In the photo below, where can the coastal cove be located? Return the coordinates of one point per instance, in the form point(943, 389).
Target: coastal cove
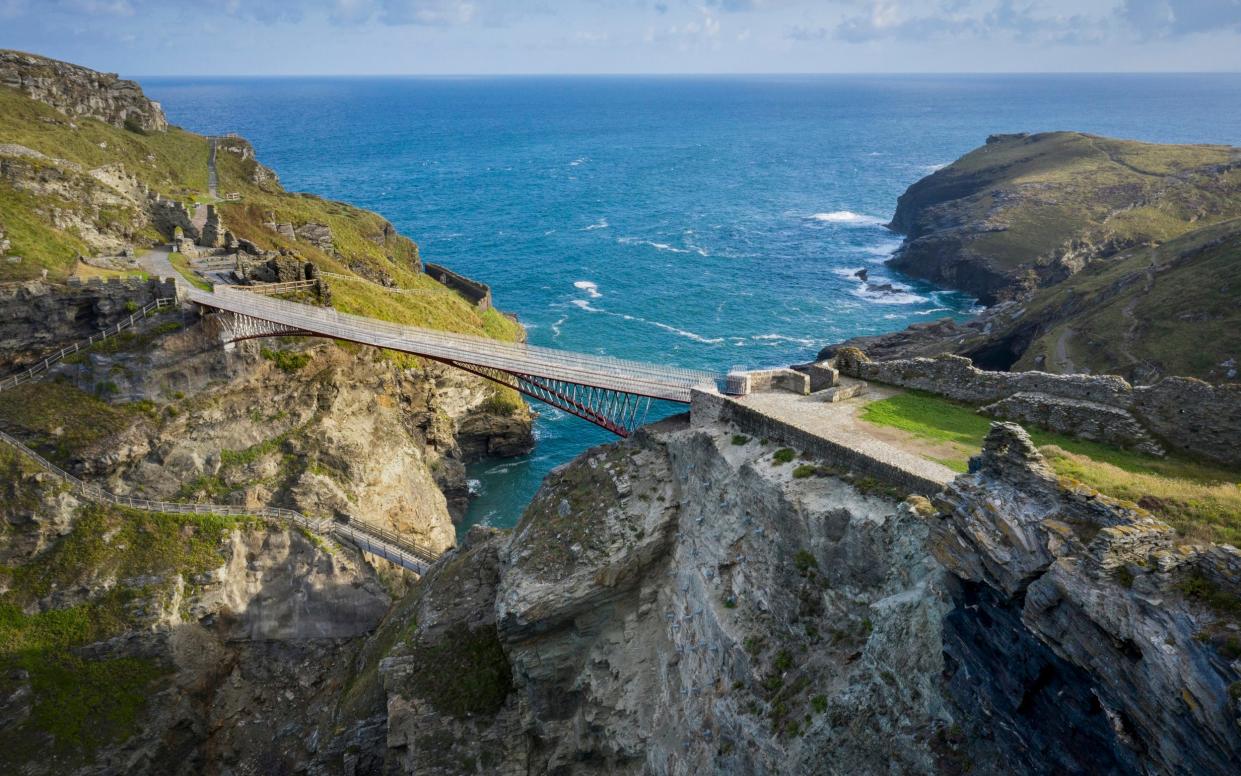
point(704, 222)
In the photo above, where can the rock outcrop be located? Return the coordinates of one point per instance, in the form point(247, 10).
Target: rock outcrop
point(80, 91)
point(1085, 639)
point(675, 604)
point(681, 603)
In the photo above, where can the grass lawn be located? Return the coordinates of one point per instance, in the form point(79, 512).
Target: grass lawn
point(1200, 500)
point(182, 265)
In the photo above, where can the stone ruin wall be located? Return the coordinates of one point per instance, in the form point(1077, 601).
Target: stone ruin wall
point(1180, 413)
point(477, 293)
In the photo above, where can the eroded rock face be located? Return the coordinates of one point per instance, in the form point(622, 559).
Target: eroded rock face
point(1084, 652)
point(79, 91)
point(677, 603)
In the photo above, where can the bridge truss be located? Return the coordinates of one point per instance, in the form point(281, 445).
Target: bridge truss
point(611, 393)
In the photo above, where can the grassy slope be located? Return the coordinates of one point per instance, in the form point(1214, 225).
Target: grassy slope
point(1177, 307)
point(361, 248)
point(175, 164)
point(1069, 185)
point(1200, 500)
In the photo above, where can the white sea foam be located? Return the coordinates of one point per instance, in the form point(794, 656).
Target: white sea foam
point(846, 217)
point(887, 297)
point(590, 287)
point(474, 487)
point(582, 304)
point(778, 338)
point(930, 168)
point(579, 161)
point(602, 223)
point(659, 246)
point(935, 310)
point(556, 326)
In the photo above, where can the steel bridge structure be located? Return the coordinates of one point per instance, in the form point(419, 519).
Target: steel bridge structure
point(612, 393)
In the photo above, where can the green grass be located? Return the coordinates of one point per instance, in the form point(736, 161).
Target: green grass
point(182, 265)
point(60, 420)
point(288, 361)
point(83, 702)
point(1200, 500)
point(783, 455)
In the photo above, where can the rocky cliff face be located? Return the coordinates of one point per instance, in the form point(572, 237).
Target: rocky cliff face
point(679, 603)
point(142, 643)
point(79, 91)
point(671, 604)
point(1085, 639)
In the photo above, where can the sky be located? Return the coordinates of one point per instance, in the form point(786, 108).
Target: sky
point(439, 37)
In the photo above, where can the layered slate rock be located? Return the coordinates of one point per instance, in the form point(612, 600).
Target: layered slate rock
point(80, 91)
point(1085, 638)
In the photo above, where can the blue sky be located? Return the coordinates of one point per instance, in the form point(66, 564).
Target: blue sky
point(156, 37)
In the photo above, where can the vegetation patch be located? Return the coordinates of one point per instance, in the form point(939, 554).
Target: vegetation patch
point(288, 361)
point(464, 673)
point(1200, 500)
point(782, 456)
point(59, 420)
point(80, 703)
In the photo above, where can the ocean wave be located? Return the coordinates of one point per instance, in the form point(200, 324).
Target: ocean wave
point(590, 287)
point(847, 217)
point(582, 304)
point(602, 223)
point(579, 161)
point(556, 326)
point(474, 487)
point(935, 310)
point(775, 338)
point(900, 296)
point(661, 246)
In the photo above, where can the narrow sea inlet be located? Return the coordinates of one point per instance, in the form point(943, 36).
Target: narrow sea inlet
point(701, 222)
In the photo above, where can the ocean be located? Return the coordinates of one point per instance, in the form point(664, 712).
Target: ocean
point(696, 221)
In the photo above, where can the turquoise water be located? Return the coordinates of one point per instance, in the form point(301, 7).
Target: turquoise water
point(702, 222)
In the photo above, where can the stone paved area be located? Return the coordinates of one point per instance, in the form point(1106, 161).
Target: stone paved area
point(839, 422)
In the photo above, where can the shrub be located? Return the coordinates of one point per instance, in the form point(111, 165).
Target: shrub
point(740, 439)
point(804, 561)
point(804, 471)
point(783, 455)
point(286, 360)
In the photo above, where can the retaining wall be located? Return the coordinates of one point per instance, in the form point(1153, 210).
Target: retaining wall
point(478, 293)
point(708, 407)
point(1184, 413)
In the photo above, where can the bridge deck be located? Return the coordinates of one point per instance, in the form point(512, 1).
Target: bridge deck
point(633, 377)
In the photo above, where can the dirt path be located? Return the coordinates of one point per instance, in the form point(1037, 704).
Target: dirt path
point(1061, 362)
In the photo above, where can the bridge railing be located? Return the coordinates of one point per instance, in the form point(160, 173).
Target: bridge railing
point(47, 363)
point(517, 358)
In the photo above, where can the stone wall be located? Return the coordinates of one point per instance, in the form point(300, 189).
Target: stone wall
point(742, 383)
point(79, 91)
point(478, 293)
point(36, 317)
point(168, 214)
point(707, 407)
point(1183, 414)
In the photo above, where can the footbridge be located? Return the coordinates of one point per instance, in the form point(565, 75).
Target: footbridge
point(609, 392)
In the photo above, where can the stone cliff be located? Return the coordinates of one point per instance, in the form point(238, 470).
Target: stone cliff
point(684, 603)
point(80, 91)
